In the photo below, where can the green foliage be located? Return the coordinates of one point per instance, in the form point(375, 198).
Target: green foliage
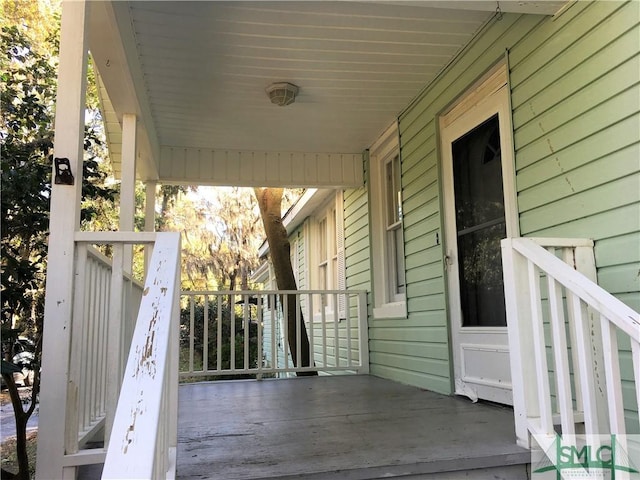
point(226, 329)
point(26, 132)
point(221, 234)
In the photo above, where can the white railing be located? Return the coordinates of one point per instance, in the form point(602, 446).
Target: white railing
point(143, 439)
point(89, 364)
point(235, 333)
point(105, 307)
point(567, 382)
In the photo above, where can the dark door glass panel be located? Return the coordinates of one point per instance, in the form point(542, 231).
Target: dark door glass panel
point(480, 224)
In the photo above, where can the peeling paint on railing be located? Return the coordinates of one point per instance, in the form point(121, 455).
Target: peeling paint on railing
point(139, 446)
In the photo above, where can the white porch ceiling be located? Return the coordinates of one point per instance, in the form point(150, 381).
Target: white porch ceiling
point(196, 72)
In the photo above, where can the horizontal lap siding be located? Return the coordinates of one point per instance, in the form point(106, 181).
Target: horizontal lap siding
point(576, 119)
point(357, 245)
point(416, 350)
point(575, 112)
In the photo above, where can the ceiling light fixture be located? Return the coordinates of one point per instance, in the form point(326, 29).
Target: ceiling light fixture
point(282, 93)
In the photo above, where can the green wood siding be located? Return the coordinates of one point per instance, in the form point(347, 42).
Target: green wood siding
point(576, 102)
point(576, 114)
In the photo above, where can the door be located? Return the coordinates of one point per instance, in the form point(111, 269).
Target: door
point(479, 202)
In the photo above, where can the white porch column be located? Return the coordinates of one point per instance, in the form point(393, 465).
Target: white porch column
point(149, 218)
point(128, 184)
point(64, 221)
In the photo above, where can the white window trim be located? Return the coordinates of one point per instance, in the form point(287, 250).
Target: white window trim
point(333, 231)
point(380, 152)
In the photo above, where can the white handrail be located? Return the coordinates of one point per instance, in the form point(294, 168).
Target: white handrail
point(623, 316)
point(338, 340)
point(144, 435)
point(594, 319)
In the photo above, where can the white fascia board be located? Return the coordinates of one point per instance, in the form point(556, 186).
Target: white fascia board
point(107, 45)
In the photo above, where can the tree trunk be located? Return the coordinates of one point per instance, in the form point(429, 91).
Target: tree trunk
point(270, 202)
point(21, 417)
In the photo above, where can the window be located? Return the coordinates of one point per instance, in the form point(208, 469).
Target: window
point(394, 242)
point(328, 255)
point(387, 240)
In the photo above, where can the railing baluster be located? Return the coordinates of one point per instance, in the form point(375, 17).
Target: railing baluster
point(298, 333)
point(285, 329)
point(192, 323)
point(336, 329)
point(259, 319)
point(363, 333)
point(312, 344)
point(114, 339)
point(347, 322)
point(273, 319)
point(92, 354)
point(560, 352)
point(635, 355)
point(544, 397)
point(74, 413)
point(219, 336)
point(613, 379)
point(104, 319)
point(232, 334)
point(323, 319)
point(585, 365)
point(246, 319)
point(205, 335)
point(568, 257)
point(336, 342)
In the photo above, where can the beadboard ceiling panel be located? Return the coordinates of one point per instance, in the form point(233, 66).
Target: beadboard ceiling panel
point(199, 69)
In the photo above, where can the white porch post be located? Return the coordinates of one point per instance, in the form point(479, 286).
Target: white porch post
point(64, 221)
point(128, 184)
point(149, 218)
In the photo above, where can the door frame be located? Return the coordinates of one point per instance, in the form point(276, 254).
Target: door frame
point(487, 97)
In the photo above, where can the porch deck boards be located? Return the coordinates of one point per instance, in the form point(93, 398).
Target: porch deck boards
point(352, 427)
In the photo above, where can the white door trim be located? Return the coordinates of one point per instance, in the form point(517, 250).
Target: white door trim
point(487, 98)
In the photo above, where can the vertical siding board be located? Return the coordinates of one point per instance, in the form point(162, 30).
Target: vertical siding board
point(272, 167)
point(192, 167)
point(259, 168)
point(206, 164)
point(177, 162)
point(219, 162)
point(286, 167)
point(233, 165)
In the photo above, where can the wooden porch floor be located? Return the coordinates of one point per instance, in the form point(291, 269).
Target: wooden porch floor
point(348, 427)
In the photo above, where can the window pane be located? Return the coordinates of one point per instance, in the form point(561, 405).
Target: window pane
point(399, 251)
point(392, 190)
point(322, 240)
point(478, 176)
point(481, 283)
point(480, 224)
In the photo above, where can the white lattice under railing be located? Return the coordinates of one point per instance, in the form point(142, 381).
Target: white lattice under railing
point(564, 333)
point(234, 333)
